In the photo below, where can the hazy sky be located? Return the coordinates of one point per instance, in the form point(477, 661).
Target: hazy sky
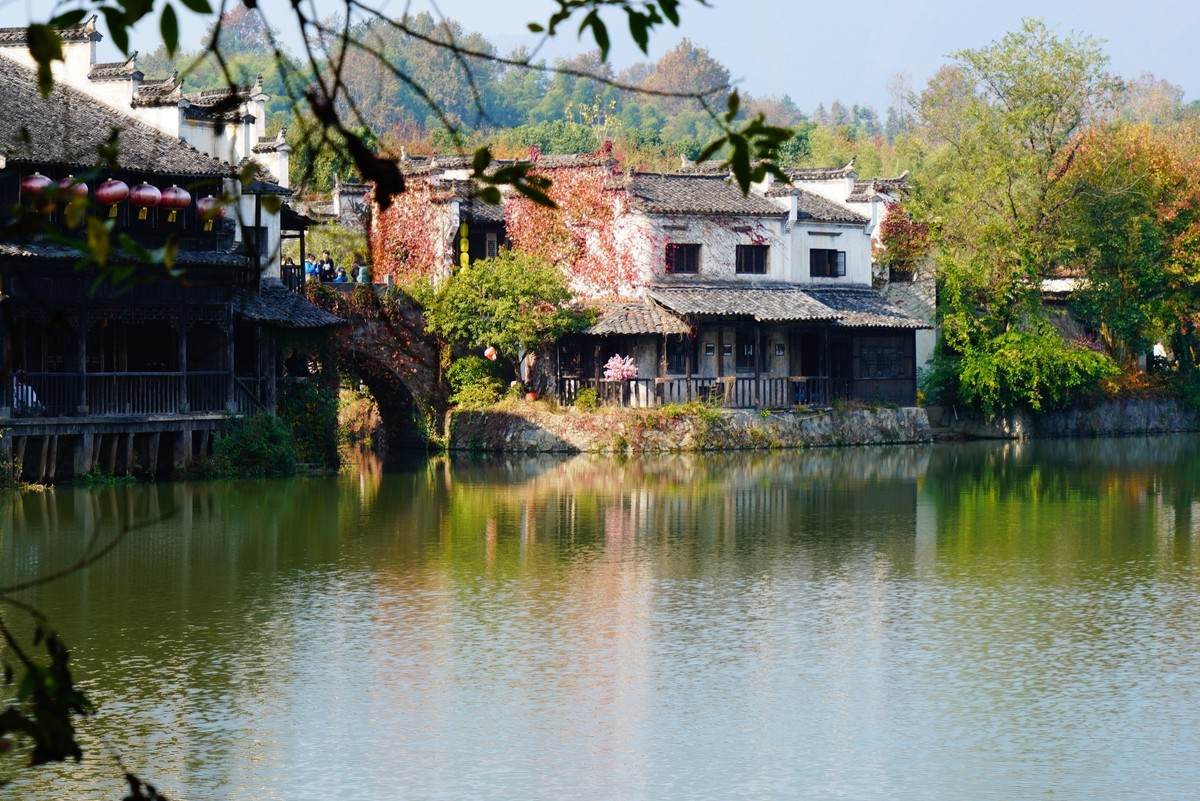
point(817, 52)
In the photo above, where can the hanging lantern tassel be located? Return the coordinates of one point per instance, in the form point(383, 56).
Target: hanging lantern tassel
point(111, 193)
point(210, 210)
point(145, 197)
point(175, 199)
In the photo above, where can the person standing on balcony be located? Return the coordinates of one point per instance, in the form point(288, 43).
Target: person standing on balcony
point(25, 400)
point(325, 268)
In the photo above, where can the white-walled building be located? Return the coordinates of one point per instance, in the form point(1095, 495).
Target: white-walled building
point(227, 124)
point(762, 300)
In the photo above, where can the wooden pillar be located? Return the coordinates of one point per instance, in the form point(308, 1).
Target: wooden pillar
point(19, 451)
point(184, 403)
point(82, 457)
point(110, 459)
point(183, 449)
point(720, 351)
point(272, 398)
point(229, 378)
point(202, 451)
point(6, 365)
point(128, 467)
point(42, 456)
point(152, 446)
point(82, 407)
point(52, 465)
point(758, 359)
point(687, 365)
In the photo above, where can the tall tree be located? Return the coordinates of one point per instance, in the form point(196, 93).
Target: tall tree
point(1002, 124)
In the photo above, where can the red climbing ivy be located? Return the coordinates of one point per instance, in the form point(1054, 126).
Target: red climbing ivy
point(404, 236)
point(583, 236)
point(904, 240)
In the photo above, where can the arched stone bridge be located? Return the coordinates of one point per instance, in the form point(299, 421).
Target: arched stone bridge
point(385, 346)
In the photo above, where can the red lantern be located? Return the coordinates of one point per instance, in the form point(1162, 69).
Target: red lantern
point(145, 197)
point(175, 200)
point(110, 193)
point(209, 209)
point(77, 190)
point(32, 189)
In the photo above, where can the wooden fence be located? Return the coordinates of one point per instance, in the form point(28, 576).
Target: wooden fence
point(734, 392)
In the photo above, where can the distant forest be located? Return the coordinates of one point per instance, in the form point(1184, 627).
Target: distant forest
point(515, 108)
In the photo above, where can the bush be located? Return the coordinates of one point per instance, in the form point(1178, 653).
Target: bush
point(484, 393)
point(310, 412)
point(474, 381)
point(254, 447)
point(587, 399)
point(1036, 370)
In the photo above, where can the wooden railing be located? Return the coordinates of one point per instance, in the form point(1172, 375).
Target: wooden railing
point(734, 392)
point(117, 393)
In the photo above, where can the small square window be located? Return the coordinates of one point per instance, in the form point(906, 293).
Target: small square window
point(752, 259)
point(683, 258)
point(826, 262)
point(710, 349)
point(492, 246)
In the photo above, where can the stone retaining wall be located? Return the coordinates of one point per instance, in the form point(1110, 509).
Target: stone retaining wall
point(1115, 419)
point(532, 428)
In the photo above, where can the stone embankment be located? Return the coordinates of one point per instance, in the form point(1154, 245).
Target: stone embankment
point(535, 428)
point(1113, 419)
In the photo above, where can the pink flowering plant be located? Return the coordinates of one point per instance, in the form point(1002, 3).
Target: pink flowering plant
point(620, 368)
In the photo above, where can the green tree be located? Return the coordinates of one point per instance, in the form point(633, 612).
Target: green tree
point(1002, 127)
point(514, 303)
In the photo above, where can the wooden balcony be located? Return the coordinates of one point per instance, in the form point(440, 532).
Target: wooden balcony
point(132, 394)
point(738, 392)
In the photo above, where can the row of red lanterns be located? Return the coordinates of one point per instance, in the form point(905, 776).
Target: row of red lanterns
point(112, 192)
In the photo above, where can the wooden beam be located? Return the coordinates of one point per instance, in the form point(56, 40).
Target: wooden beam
point(52, 467)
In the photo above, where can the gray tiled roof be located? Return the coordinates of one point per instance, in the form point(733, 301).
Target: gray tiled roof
point(765, 302)
point(115, 69)
point(59, 252)
point(810, 206)
point(865, 190)
point(275, 304)
point(820, 173)
point(815, 207)
point(69, 126)
point(861, 307)
point(634, 317)
point(78, 33)
point(163, 92)
point(479, 211)
point(423, 165)
point(710, 195)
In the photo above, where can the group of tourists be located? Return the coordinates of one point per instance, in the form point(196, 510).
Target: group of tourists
point(325, 271)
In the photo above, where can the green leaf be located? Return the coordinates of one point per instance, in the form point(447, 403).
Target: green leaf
point(670, 10)
point(272, 203)
point(535, 28)
point(639, 29)
point(599, 31)
point(198, 6)
point(483, 157)
point(118, 29)
point(67, 19)
point(99, 245)
point(169, 24)
point(490, 194)
point(733, 104)
point(45, 46)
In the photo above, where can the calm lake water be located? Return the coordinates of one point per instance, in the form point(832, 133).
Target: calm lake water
point(969, 621)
